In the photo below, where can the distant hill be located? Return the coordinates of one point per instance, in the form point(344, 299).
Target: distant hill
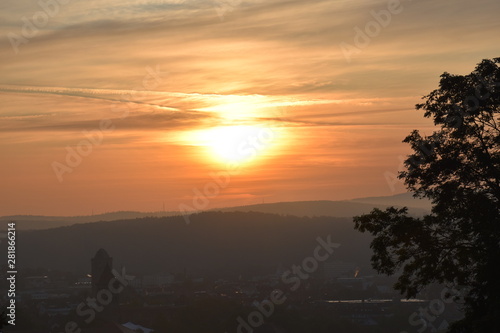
point(318, 208)
point(36, 222)
point(214, 243)
point(400, 200)
point(347, 208)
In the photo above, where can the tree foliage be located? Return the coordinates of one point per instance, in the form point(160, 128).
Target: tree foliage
point(458, 168)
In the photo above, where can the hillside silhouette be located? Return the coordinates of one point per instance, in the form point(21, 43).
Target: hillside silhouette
point(322, 208)
point(345, 208)
point(214, 243)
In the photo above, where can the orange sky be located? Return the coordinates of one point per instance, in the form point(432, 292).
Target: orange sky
point(154, 97)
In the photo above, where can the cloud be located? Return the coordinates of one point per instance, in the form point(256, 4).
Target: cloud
point(264, 62)
point(145, 122)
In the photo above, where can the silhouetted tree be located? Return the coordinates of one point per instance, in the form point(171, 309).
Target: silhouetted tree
point(458, 168)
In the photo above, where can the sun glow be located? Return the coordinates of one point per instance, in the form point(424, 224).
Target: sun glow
point(237, 144)
point(234, 107)
point(246, 130)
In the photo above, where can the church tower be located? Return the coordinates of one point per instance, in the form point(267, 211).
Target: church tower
point(102, 265)
point(102, 274)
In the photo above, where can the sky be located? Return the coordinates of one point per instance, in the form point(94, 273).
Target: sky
point(148, 105)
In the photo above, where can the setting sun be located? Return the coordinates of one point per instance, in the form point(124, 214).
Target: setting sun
point(237, 144)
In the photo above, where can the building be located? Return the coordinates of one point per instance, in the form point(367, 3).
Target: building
point(102, 274)
point(101, 267)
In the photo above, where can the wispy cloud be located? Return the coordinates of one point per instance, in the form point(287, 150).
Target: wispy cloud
point(267, 62)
